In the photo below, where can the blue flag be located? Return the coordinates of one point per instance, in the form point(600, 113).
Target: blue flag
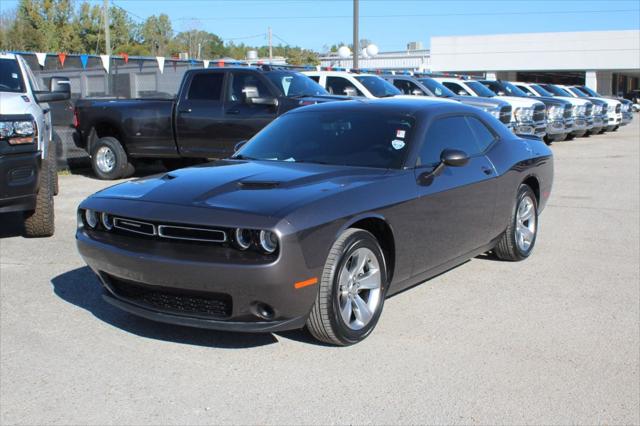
point(84, 58)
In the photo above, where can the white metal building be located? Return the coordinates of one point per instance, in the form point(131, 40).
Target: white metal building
point(398, 60)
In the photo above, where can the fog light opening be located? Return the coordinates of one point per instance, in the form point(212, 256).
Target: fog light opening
point(263, 311)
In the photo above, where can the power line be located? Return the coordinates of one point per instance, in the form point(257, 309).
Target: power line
point(415, 15)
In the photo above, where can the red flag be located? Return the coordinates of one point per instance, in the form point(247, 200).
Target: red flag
point(221, 63)
point(62, 57)
point(125, 56)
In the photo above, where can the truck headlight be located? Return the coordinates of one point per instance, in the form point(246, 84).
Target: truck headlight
point(579, 110)
point(524, 114)
point(611, 108)
point(18, 132)
point(555, 113)
point(495, 111)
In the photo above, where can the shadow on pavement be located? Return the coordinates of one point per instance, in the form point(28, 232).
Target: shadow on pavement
point(81, 287)
point(11, 225)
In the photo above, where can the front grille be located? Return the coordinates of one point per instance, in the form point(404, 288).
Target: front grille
point(568, 111)
point(505, 114)
point(170, 231)
point(539, 113)
point(170, 300)
point(618, 108)
point(588, 109)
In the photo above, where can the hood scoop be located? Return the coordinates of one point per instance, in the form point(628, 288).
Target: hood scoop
point(258, 184)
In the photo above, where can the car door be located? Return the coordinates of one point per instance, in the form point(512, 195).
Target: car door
point(199, 116)
point(455, 208)
point(242, 118)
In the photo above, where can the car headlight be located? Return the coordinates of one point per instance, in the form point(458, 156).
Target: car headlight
point(91, 218)
point(611, 108)
point(18, 132)
point(579, 110)
point(555, 113)
point(242, 238)
point(268, 241)
point(524, 114)
point(107, 221)
point(495, 111)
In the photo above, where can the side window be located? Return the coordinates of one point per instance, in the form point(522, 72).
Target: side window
point(447, 132)
point(342, 86)
point(206, 87)
point(525, 89)
point(414, 89)
point(493, 86)
point(244, 85)
point(408, 87)
point(484, 136)
point(456, 88)
point(314, 78)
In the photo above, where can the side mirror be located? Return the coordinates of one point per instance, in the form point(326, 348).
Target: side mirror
point(501, 93)
point(417, 92)
point(463, 93)
point(59, 90)
point(263, 101)
point(454, 157)
point(239, 145)
point(350, 91)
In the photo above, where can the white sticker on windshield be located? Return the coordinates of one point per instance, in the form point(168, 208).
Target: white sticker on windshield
point(14, 75)
point(400, 133)
point(397, 144)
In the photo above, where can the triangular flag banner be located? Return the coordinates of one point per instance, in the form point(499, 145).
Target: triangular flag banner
point(192, 62)
point(41, 58)
point(125, 57)
point(62, 57)
point(205, 63)
point(105, 62)
point(318, 67)
point(221, 63)
point(160, 60)
point(83, 60)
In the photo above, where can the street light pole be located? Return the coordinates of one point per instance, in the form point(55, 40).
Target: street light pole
point(356, 41)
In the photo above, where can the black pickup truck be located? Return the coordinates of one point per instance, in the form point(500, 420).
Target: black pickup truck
point(214, 109)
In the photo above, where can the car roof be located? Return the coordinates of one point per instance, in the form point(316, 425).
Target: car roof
point(411, 105)
point(338, 73)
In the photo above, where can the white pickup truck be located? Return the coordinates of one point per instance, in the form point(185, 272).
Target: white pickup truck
point(528, 116)
point(27, 154)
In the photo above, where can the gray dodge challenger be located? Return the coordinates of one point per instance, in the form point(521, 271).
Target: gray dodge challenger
point(319, 217)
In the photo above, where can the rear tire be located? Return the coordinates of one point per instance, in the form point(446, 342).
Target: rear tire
point(518, 240)
point(53, 167)
point(41, 221)
point(353, 286)
point(109, 159)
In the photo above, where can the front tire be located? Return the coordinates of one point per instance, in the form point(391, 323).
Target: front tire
point(352, 289)
point(41, 221)
point(109, 159)
point(518, 240)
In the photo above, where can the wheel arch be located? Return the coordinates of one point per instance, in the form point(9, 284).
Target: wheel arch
point(103, 129)
point(380, 228)
point(534, 183)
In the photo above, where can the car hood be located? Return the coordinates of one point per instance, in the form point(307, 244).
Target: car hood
point(574, 101)
point(520, 102)
point(480, 102)
point(266, 188)
point(14, 103)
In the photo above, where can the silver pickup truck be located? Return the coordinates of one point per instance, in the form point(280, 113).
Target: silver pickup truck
point(27, 154)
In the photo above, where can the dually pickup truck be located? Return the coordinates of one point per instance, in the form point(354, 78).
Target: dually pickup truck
point(214, 110)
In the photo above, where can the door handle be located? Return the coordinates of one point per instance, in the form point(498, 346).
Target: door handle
point(185, 111)
point(233, 111)
point(487, 170)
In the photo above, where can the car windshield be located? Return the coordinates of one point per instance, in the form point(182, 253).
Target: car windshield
point(590, 91)
point(541, 90)
point(380, 88)
point(480, 89)
point(579, 93)
point(437, 88)
point(346, 138)
point(512, 90)
point(10, 76)
point(557, 91)
point(294, 84)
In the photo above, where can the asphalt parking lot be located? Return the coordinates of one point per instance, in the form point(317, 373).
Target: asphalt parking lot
point(552, 340)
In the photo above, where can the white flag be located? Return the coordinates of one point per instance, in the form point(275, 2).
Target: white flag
point(41, 58)
point(205, 63)
point(160, 60)
point(105, 62)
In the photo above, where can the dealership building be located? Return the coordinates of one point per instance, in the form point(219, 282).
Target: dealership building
point(608, 61)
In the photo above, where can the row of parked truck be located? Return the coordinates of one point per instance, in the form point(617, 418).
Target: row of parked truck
point(216, 109)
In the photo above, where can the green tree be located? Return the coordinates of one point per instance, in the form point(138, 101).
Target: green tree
point(156, 34)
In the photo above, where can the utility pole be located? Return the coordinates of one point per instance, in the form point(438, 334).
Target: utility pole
point(356, 40)
point(107, 32)
point(270, 46)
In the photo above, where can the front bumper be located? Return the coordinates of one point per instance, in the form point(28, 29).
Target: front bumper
point(178, 279)
point(19, 173)
point(557, 127)
point(580, 125)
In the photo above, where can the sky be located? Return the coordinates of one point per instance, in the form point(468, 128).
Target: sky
point(391, 24)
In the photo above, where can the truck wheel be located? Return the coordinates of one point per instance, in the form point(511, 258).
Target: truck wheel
point(109, 160)
point(41, 221)
point(53, 168)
